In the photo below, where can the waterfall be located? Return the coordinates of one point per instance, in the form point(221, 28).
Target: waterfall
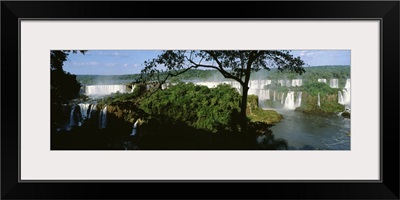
point(274, 95)
point(134, 129)
point(72, 118)
point(281, 82)
point(289, 101)
point(334, 83)
point(282, 100)
point(99, 90)
point(322, 80)
point(86, 112)
point(133, 88)
point(346, 93)
point(340, 98)
point(93, 107)
point(85, 109)
point(298, 100)
point(259, 84)
point(263, 95)
point(297, 82)
point(103, 118)
point(319, 101)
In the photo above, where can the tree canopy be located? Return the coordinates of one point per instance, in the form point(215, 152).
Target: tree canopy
point(234, 64)
point(64, 85)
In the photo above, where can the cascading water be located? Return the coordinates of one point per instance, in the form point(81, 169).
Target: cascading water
point(92, 108)
point(346, 94)
point(319, 101)
point(322, 80)
point(85, 109)
point(334, 83)
point(259, 84)
point(87, 112)
point(289, 101)
point(297, 82)
point(281, 82)
point(103, 118)
point(74, 118)
point(282, 99)
point(100, 90)
point(340, 98)
point(298, 100)
point(274, 95)
point(262, 96)
point(134, 129)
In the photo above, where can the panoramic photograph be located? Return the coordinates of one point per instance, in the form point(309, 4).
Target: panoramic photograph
point(200, 99)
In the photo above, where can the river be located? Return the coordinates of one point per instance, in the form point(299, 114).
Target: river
point(311, 131)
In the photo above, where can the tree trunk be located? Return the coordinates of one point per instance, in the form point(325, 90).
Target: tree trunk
point(243, 108)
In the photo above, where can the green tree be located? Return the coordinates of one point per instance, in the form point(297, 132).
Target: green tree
point(237, 65)
point(64, 85)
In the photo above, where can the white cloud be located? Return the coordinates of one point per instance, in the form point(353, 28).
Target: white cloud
point(91, 63)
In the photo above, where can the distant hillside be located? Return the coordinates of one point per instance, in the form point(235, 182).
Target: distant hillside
point(312, 73)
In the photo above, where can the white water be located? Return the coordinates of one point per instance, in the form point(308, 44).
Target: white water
point(340, 98)
point(103, 118)
point(72, 118)
point(346, 94)
point(84, 112)
point(281, 82)
point(134, 129)
point(274, 95)
point(319, 101)
point(85, 108)
point(297, 82)
point(100, 90)
point(334, 83)
point(282, 99)
point(259, 84)
point(298, 100)
point(289, 101)
point(322, 80)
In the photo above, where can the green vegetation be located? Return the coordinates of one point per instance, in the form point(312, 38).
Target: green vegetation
point(256, 114)
point(265, 116)
point(328, 99)
point(197, 106)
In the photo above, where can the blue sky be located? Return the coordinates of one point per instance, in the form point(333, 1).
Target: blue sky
point(116, 62)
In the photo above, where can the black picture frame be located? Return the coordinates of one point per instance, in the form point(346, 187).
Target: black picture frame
point(386, 11)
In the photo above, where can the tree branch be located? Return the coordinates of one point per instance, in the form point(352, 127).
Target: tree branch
point(221, 70)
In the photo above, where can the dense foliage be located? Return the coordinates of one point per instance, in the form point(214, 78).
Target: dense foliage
point(64, 85)
point(328, 99)
point(197, 106)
